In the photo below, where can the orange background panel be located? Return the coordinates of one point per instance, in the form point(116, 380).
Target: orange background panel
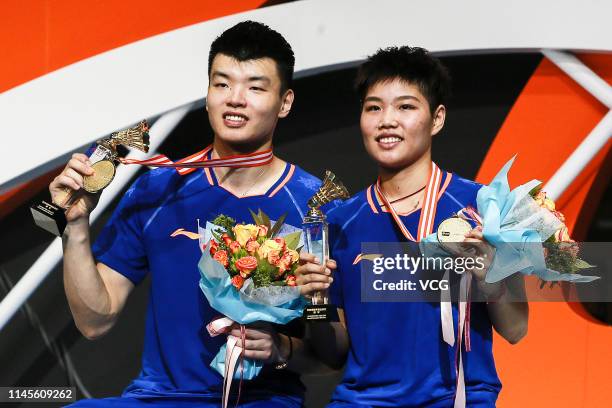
point(565, 359)
point(40, 36)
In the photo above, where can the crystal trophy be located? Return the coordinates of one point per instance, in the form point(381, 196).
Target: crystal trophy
point(316, 242)
point(104, 160)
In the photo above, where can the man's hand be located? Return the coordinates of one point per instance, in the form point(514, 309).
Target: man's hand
point(262, 343)
point(312, 276)
point(71, 178)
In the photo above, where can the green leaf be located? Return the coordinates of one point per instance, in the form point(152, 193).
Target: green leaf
point(277, 226)
point(231, 267)
point(582, 264)
point(265, 220)
point(292, 240)
point(534, 191)
point(255, 217)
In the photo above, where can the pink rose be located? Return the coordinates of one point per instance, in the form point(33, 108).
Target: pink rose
point(263, 230)
point(252, 246)
point(281, 242)
point(273, 257)
point(284, 263)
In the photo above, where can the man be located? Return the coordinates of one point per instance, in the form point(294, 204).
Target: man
point(250, 71)
point(397, 357)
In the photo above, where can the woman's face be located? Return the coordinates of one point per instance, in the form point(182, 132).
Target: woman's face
point(396, 123)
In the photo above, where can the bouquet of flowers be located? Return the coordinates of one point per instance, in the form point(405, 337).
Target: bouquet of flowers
point(247, 275)
point(251, 251)
point(560, 250)
point(528, 233)
point(529, 236)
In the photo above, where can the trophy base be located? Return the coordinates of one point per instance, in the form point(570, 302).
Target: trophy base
point(321, 313)
point(49, 217)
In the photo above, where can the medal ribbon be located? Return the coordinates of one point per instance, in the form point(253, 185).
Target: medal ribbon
point(198, 160)
point(426, 223)
point(428, 211)
point(465, 285)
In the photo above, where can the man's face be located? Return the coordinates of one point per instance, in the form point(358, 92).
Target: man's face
point(244, 101)
point(396, 123)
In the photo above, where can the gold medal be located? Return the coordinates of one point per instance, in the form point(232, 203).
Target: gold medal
point(104, 172)
point(453, 230)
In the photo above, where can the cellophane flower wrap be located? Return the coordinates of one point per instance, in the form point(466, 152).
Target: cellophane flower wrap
point(528, 233)
point(247, 274)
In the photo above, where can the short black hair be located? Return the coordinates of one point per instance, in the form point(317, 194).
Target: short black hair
point(250, 40)
point(411, 64)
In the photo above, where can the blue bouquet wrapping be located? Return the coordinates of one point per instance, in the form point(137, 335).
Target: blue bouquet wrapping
point(516, 226)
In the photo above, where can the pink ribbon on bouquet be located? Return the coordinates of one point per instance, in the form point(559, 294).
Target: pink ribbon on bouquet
point(234, 353)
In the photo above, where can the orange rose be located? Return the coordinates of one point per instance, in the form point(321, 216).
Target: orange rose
point(226, 238)
point(252, 246)
point(213, 247)
point(238, 281)
point(221, 257)
point(246, 265)
point(234, 246)
point(263, 230)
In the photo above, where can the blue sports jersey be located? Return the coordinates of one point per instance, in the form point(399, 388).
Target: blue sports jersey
point(397, 356)
point(136, 242)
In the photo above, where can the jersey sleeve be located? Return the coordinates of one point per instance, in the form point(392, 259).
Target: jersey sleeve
point(120, 245)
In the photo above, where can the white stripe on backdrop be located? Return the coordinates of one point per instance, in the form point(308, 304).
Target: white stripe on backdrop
point(91, 98)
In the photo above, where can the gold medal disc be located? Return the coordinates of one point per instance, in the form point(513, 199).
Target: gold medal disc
point(453, 230)
point(104, 172)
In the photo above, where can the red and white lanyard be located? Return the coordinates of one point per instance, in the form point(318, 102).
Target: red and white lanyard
point(426, 224)
point(198, 160)
point(428, 211)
